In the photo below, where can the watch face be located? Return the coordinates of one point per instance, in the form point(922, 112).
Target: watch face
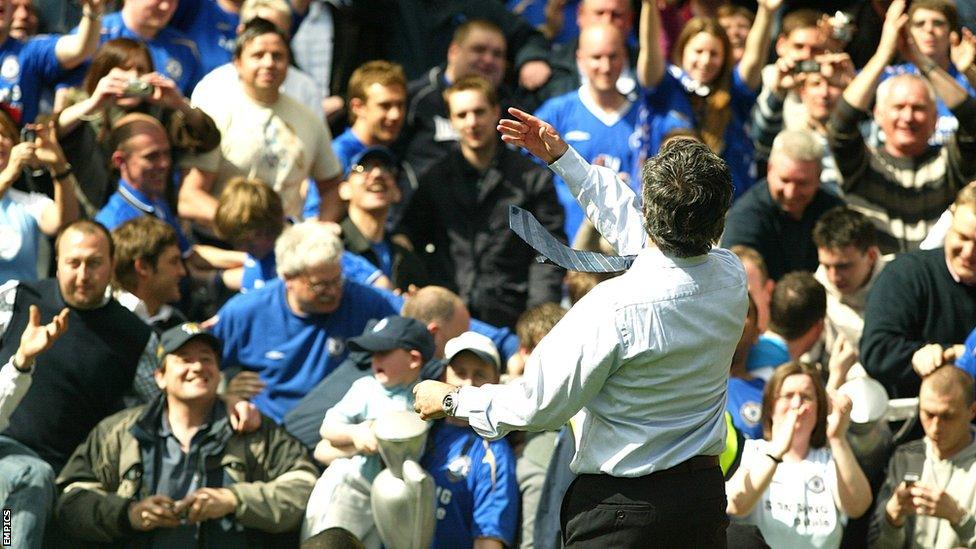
point(449, 403)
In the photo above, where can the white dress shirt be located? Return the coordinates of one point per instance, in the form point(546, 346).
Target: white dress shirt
point(646, 354)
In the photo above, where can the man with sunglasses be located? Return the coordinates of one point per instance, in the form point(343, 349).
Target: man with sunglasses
point(292, 331)
point(371, 190)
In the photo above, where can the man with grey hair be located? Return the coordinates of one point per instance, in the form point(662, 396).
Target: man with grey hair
point(905, 185)
point(776, 217)
point(292, 331)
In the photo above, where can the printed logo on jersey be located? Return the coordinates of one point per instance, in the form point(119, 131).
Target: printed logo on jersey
point(443, 131)
point(577, 135)
point(750, 412)
point(458, 468)
point(335, 346)
point(815, 484)
point(174, 69)
point(10, 68)
point(10, 242)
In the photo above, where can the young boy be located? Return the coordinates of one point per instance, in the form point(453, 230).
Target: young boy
point(400, 347)
point(477, 494)
point(250, 217)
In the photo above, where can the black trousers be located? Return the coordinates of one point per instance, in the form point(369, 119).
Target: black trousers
point(681, 509)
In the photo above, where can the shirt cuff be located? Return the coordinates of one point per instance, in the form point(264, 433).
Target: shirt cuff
point(570, 166)
point(10, 373)
point(473, 406)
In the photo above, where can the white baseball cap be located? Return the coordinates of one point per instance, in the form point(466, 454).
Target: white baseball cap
point(475, 343)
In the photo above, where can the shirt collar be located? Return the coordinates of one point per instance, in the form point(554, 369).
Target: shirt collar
point(133, 303)
point(653, 255)
point(136, 198)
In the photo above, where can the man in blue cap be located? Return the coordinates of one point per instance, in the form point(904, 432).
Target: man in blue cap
point(371, 190)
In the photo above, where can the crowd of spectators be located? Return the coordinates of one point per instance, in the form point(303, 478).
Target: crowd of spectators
point(207, 300)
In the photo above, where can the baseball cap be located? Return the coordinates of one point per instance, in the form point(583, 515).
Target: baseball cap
point(177, 336)
point(395, 332)
point(476, 343)
point(376, 152)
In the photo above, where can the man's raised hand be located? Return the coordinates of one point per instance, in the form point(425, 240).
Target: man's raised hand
point(532, 134)
point(38, 337)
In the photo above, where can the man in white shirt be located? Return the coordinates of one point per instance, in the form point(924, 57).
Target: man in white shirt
point(265, 135)
point(645, 354)
point(148, 271)
point(297, 84)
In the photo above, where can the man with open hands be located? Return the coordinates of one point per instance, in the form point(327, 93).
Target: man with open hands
point(654, 398)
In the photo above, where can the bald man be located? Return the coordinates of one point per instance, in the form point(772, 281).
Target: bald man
point(142, 156)
point(566, 76)
point(596, 119)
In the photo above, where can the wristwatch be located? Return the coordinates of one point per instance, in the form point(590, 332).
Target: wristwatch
point(450, 402)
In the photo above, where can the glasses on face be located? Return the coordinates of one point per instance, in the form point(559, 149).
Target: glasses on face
point(385, 169)
point(322, 286)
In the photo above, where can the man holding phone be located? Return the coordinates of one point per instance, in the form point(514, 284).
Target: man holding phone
point(929, 495)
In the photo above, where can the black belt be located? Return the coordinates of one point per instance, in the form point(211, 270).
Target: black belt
point(696, 463)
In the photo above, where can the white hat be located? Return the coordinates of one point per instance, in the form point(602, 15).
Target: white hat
point(475, 343)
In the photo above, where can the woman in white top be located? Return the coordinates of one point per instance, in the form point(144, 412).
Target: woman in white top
point(801, 483)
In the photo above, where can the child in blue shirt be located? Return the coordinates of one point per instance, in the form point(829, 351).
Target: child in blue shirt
point(250, 217)
point(400, 347)
point(477, 492)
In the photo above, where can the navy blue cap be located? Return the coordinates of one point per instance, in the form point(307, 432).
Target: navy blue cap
point(395, 332)
point(178, 336)
point(376, 152)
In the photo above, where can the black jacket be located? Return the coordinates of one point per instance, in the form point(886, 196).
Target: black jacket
point(407, 267)
point(458, 223)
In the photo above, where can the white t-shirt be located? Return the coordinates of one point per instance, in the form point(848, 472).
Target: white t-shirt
point(283, 144)
point(297, 84)
point(798, 509)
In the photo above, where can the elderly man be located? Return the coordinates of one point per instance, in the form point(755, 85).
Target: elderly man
point(932, 24)
point(654, 396)
point(905, 185)
point(776, 218)
point(292, 331)
point(927, 498)
point(197, 479)
point(921, 305)
point(265, 135)
point(597, 120)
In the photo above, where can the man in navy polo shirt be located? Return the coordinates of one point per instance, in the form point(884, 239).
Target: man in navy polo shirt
point(292, 331)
